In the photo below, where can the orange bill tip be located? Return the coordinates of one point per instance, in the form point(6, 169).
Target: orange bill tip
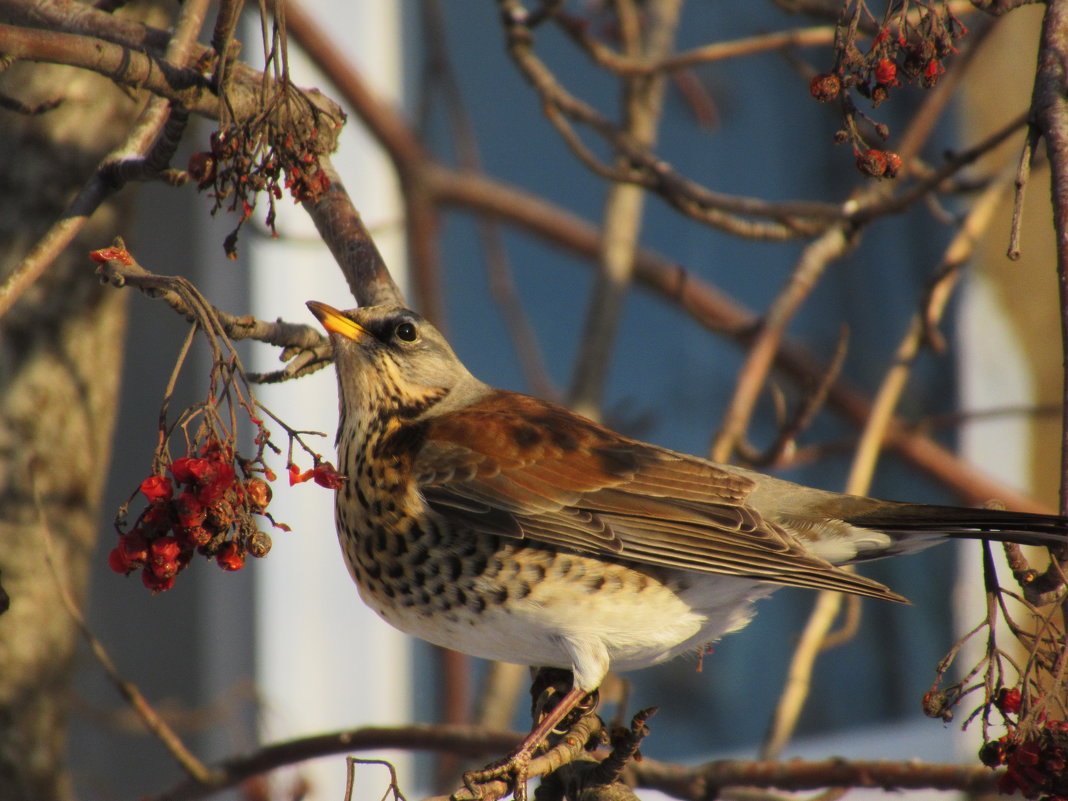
point(335, 321)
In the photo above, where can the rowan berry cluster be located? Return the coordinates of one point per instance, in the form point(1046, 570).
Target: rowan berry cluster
point(201, 507)
point(909, 47)
point(244, 161)
point(1036, 762)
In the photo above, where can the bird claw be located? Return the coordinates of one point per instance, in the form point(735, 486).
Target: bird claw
point(512, 771)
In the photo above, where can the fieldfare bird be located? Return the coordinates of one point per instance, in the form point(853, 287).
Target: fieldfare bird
point(512, 529)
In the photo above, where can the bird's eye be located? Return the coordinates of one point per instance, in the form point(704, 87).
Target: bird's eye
point(405, 331)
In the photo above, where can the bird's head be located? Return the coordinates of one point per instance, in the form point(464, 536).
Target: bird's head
point(390, 360)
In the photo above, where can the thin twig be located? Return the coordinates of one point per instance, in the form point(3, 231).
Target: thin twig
point(1023, 173)
point(643, 98)
point(137, 147)
point(815, 259)
point(196, 769)
point(947, 273)
point(799, 675)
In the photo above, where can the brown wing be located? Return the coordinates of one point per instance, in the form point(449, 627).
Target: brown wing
point(515, 466)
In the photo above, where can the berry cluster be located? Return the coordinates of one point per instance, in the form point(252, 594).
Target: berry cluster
point(1035, 760)
point(244, 161)
point(201, 507)
point(907, 47)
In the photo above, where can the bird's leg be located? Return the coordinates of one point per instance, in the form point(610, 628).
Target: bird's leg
point(514, 766)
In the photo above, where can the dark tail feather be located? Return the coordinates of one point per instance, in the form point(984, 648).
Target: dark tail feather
point(929, 521)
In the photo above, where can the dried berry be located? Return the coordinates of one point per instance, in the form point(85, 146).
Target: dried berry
point(1008, 700)
point(893, 163)
point(259, 544)
point(189, 509)
point(326, 476)
point(201, 168)
point(825, 87)
point(992, 754)
point(258, 493)
point(872, 162)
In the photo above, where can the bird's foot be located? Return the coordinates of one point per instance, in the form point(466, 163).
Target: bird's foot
point(484, 784)
point(552, 709)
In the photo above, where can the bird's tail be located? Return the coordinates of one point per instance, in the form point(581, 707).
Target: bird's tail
point(913, 526)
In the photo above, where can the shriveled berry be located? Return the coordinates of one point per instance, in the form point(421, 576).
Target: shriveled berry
point(825, 87)
point(258, 492)
point(893, 163)
point(196, 536)
point(872, 162)
point(189, 509)
point(326, 476)
point(992, 754)
point(158, 517)
point(259, 544)
point(201, 168)
point(220, 515)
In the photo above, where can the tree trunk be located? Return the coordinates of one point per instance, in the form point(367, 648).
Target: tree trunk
point(60, 362)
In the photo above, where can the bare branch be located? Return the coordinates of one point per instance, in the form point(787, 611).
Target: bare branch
point(143, 155)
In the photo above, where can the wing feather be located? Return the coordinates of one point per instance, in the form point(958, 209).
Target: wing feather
point(515, 466)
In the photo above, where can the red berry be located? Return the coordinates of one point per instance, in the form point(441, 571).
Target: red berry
point(326, 476)
point(134, 548)
point(221, 482)
point(202, 470)
point(931, 72)
point(1008, 701)
point(163, 557)
point(230, 557)
point(157, 488)
point(157, 517)
point(885, 72)
point(196, 536)
point(180, 470)
point(297, 477)
point(156, 583)
point(190, 510)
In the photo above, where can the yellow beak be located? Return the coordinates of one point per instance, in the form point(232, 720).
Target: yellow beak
point(335, 322)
